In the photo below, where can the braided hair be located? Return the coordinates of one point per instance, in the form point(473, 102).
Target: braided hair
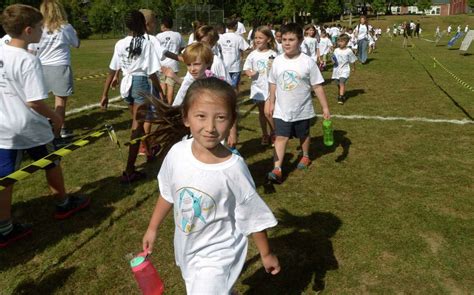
point(135, 22)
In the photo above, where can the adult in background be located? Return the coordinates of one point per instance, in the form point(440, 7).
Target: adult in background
point(362, 33)
point(54, 53)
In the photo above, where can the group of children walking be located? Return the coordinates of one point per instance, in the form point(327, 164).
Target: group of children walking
point(206, 184)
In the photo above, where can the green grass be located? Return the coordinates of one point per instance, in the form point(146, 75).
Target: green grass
point(388, 209)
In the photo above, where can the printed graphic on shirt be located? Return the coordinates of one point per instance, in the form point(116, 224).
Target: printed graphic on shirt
point(195, 210)
point(288, 80)
point(262, 66)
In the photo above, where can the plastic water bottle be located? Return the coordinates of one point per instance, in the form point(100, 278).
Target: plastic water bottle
point(328, 136)
point(146, 275)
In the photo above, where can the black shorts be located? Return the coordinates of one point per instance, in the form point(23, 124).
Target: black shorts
point(298, 129)
point(10, 159)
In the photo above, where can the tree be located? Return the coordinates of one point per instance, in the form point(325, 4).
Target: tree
point(379, 6)
point(333, 8)
point(101, 17)
point(423, 5)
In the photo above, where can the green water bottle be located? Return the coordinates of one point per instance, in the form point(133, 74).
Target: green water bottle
point(328, 137)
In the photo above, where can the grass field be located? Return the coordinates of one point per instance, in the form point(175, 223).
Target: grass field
point(388, 209)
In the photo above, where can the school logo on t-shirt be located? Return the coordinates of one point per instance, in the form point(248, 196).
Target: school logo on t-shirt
point(261, 66)
point(195, 209)
point(288, 80)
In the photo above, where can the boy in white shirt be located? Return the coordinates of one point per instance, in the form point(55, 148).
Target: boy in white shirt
point(343, 56)
point(174, 43)
point(325, 47)
point(292, 77)
point(24, 117)
point(233, 45)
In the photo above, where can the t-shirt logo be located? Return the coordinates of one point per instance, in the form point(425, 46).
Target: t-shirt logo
point(167, 38)
point(195, 209)
point(261, 66)
point(288, 80)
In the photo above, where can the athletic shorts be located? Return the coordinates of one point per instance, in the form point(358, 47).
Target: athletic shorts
point(234, 79)
point(341, 80)
point(298, 129)
point(139, 84)
point(167, 80)
point(58, 80)
point(10, 159)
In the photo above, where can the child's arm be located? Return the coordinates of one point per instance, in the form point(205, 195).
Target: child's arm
point(43, 109)
point(168, 72)
point(250, 73)
point(270, 105)
point(269, 260)
point(319, 90)
point(162, 209)
point(174, 56)
point(104, 101)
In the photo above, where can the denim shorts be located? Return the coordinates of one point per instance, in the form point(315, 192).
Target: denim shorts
point(139, 84)
point(298, 129)
point(10, 159)
point(234, 79)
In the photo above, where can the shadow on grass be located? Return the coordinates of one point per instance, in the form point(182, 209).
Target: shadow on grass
point(47, 285)
point(340, 140)
point(96, 120)
point(353, 93)
point(48, 232)
point(305, 252)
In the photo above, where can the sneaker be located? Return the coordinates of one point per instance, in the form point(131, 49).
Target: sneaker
point(265, 140)
point(19, 232)
point(75, 204)
point(66, 133)
point(60, 142)
point(142, 149)
point(275, 176)
point(304, 163)
point(153, 152)
point(132, 177)
point(340, 99)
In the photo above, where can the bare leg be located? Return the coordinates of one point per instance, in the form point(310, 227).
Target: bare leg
point(60, 107)
point(55, 179)
point(6, 203)
point(342, 89)
point(280, 148)
point(305, 145)
point(262, 119)
point(137, 131)
point(169, 93)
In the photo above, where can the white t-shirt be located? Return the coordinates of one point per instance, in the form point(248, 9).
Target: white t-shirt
point(279, 48)
point(344, 58)
point(215, 208)
point(173, 42)
point(362, 31)
point(258, 61)
point(5, 39)
point(147, 63)
point(325, 45)
point(294, 79)
point(232, 44)
point(54, 48)
point(21, 81)
point(219, 70)
point(187, 81)
point(160, 51)
point(312, 45)
point(240, 28)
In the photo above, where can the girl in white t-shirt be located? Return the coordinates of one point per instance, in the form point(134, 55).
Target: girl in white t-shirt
point(138, 60)
point(343, 56)
point(212, 194)
point(256, 67)
point(54, 53)
point(311, 42)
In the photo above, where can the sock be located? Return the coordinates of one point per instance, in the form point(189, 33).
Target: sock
point(63, 203)
point(278, 168)
point(306, 154)
point(6, 227)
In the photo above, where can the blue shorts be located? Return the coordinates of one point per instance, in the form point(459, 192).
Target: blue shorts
point(234, 79)
point(139, 84)
point(10, 159)
point(298, 129)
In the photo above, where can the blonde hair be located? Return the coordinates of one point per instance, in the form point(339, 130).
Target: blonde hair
point(269, 34)
point(198, 50)
point(54, 15)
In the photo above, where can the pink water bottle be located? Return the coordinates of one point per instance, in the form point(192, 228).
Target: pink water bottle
point(146, 275)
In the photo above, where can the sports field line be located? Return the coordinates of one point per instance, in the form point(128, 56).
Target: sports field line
point(346, 117)
point(381, 118)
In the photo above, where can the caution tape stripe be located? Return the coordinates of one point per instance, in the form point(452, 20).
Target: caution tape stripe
point(41, 163)
point(91, 77)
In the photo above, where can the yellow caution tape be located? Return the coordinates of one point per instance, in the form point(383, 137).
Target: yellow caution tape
point(91, 77)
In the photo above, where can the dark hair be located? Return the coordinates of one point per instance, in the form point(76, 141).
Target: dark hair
point(167, 22)
point(204, 31)
point(217, 87)
point(169, 121)
point(231, 24)
point(344, 37)
point(293, 28)
point(135, 22)
point(15, 18)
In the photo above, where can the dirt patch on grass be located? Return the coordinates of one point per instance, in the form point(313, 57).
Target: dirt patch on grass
point(434, 240)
